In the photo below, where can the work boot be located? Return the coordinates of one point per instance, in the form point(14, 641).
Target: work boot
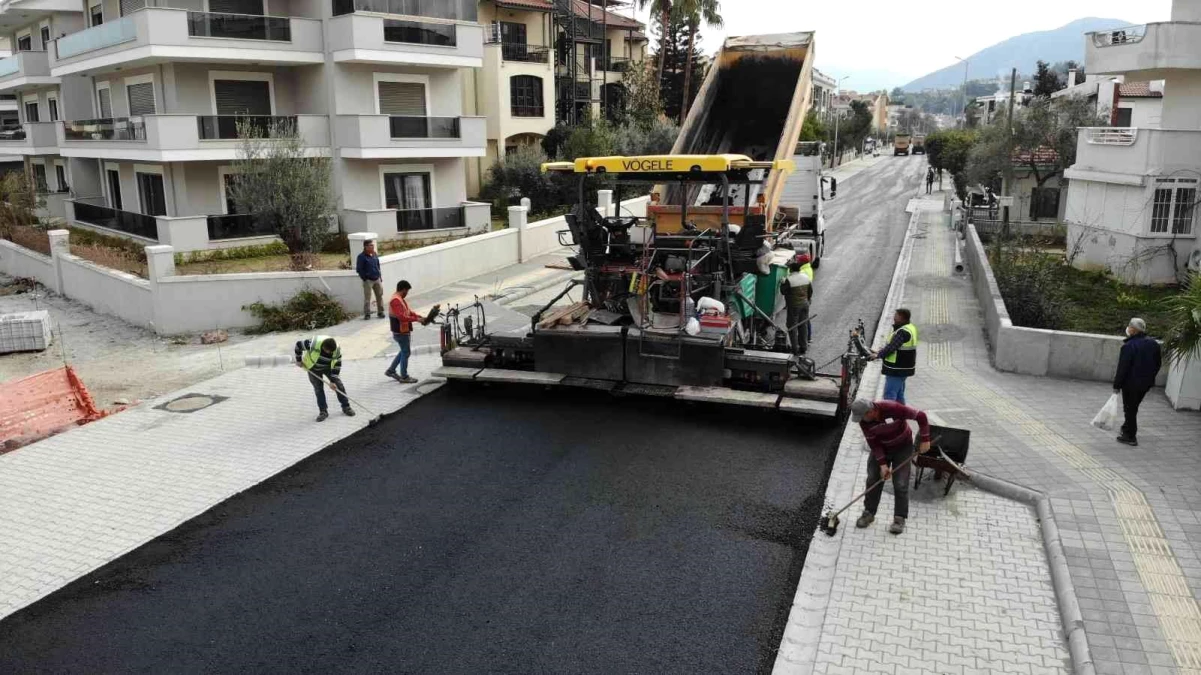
point(367, 317)
point(407, 380)
point(322, 416)
point(380, 315)
point(392, 374)
point(1128, 440)
point(898, 525)
point(865, 520)
point(348, 411)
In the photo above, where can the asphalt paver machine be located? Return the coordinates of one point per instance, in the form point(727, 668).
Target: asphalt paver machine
point(686, 306)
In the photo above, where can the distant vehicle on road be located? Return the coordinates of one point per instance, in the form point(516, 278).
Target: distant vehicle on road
point(919, 144)
point(900, 144)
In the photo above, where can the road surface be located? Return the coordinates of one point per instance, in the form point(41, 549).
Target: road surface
point(495, 530)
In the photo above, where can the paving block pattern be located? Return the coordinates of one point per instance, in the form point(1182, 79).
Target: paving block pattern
point(73, 502)
point(964, 590)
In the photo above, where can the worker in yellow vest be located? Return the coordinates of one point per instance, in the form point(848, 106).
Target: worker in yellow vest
point(320, 357)
point(899, 356)
point(807, 270)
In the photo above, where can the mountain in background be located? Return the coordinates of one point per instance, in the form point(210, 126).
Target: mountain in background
point(1062, 44)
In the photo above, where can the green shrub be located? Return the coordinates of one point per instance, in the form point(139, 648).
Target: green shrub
point(1031, 286)
point(656, 138)
point(307, 310)
point(233, 253)
point(84, 237)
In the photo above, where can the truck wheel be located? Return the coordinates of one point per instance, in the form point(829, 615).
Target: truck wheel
point(821, 250)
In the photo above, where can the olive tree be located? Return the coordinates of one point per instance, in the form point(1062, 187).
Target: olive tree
point(278, 180)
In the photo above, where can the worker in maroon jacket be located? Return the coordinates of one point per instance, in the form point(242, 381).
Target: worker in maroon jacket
point(886, 428)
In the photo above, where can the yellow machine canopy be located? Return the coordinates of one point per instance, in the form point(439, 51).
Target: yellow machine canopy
point(668, 164)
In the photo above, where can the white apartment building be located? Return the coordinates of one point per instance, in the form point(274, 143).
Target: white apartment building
point(823, 95)
point(1134, 188)
point(130, 108)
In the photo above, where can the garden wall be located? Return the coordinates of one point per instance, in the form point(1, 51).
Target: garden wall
point(105, 290)
point(18, 261)
point(1035, 351)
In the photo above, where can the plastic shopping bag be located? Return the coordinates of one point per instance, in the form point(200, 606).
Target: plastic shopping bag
point(1107, 419)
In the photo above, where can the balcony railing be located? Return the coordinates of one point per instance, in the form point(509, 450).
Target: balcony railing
point(237, 226)
point(138, 224)
point(455, 10)
point(429, 219)
point(401, 126)
point(528, 111)
point(106, 129)
point(239, 26)
point(512, 51)
point(9, 66)
point(1119, 36)
point(15, 133)
point(420, 33)
point(1111, 135)
point(225, 127)
point(97, 37)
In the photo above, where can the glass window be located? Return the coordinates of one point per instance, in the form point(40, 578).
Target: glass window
point(53, 109)
point(1160, 209)
point(96, 12)
point(1123, 117)
point(31, 111)
point(60, 174)
point(45, 37)
point(1174, 203)
point(407, 191)
point(525, 96)
point(114, 189)
point(25, 43)
point(151, 196)
point(1182, 214)
point(39, 177)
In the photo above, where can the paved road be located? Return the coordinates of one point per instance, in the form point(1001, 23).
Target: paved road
point(476, 531)
point(865, 230)
point(498, 531)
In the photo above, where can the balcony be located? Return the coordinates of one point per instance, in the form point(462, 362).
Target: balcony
point(156, 35)
point(180, 138)
point(384, 136)
point(368, 38)
point(94, 212)
point(452, 10)
point(1144, 51)
point(1127, 156)
point(25, 69)
point(31, 138)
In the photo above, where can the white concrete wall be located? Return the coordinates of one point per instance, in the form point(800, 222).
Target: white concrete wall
point(192, 92)
point(204, 302)
point(1145, 113)
point(1034, 351)
point(107, 291)
point(18, 261)
point(1109, 225)
point(355, 93)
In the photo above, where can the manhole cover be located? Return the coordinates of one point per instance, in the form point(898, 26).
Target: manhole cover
point(190, 403)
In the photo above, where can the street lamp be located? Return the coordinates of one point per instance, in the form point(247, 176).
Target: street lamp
point(966, 63)
point(837, 117)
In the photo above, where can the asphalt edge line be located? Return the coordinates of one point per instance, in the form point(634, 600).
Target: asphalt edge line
point(797, 654)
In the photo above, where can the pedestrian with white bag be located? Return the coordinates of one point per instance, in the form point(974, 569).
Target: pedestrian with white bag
point(1138, 365)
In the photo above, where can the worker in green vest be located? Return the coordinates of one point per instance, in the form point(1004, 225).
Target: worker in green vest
point(797, 289)
point(899, 356)
point(807, 270)
point(321, 357)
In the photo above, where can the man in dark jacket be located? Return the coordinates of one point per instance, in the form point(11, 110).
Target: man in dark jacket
point(321, 357)
point(885, 427)
point(367, 267)
point(1137, 367)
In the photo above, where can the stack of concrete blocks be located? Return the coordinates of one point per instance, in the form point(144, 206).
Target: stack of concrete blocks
point(24, 332)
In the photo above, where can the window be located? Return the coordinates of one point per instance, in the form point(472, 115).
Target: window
point(60, 174)
point(512, 33)
point(45, 37)
point(1122, 118)
point(31, 111)
point(53, 105)
point(407, 191)
point(25, 43)
point(242, 97)
point(39, 177)
point(114, 188)
point(401, 98)
point(141, 97)
point(104, 101)
point(96, 13)
point(525, 96)
point(1044, 203)
point(151, 196)
point(1174, 205)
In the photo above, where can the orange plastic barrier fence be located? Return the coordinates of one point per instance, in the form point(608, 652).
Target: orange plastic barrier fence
point(38, 406)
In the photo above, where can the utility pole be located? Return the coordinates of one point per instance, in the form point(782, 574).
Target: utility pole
point(1007, 188)
point(837, 117)
point(966, 63)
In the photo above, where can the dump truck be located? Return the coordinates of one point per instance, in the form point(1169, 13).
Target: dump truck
point(919, 144)
point(900, 144)
point(686, 301)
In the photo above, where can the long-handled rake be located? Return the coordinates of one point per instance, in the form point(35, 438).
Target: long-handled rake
point(376, 417)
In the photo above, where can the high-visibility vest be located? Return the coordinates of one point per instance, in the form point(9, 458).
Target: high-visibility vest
point(314, 357)
point(798, 289)
point(903, 362)
point(807, 270)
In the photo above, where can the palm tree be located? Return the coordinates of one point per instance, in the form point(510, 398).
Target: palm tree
point(663, 7)
point(694, 12)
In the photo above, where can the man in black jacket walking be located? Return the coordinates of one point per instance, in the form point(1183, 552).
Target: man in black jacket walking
point(1137, 367)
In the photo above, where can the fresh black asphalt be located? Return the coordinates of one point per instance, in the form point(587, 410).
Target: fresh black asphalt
point(495, 530)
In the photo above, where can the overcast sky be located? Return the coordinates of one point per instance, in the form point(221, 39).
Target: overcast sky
point(857, 37)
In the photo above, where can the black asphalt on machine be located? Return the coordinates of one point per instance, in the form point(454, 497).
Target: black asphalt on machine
point(684, 304)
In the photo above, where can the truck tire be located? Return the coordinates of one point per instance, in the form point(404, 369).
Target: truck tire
point(821, 250)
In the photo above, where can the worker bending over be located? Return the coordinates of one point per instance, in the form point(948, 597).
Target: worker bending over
point(321, 357)
point(885, 427)
point(797, 289)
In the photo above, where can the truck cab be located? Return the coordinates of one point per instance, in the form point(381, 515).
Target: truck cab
point(900, 144)
point(919, 144)
point(814, 188)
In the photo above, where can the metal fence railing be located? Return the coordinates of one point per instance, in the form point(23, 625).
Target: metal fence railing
point(1111, 135)
point(106, 129)
point(454, 10)
point(1119, 36)
point(225, 127)
point(429, 219)
point(403, 126)
point(512, 51)
point(420, 33)
point(239, 26)
point(123, 221)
